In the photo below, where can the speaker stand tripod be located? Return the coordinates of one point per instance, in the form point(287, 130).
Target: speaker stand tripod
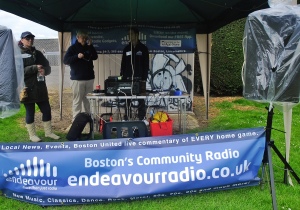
point(267, 159)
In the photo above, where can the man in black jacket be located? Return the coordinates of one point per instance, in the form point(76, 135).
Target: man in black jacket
point(80, 57)
point(135, 64)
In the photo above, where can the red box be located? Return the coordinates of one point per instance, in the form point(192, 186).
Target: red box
point(162, 128)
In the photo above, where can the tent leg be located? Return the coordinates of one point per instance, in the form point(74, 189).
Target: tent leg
point(207, 75)
point(62, 71)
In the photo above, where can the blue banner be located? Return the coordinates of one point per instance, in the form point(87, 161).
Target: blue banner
point(159, 40)
point(53, 173)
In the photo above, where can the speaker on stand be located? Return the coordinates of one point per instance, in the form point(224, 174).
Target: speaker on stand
point(271, 70)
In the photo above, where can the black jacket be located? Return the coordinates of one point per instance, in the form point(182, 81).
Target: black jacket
point(140, 61)
point(81, 69)
point(37, 91)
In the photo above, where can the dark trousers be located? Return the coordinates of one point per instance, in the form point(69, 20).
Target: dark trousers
point(45, 108)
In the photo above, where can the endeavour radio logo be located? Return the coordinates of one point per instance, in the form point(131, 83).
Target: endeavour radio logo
point(34, 174)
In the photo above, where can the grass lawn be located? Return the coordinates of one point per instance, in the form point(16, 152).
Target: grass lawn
point(239, 113)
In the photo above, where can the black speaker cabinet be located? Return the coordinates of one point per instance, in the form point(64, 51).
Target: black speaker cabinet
point(121, 87)
point(271, 71)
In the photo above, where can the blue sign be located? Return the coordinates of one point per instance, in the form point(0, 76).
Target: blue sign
point(66, 173)
point(159, 40)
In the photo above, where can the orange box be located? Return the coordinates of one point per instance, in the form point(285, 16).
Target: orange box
point(162, 128)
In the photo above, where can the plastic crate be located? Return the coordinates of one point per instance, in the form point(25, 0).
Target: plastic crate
point(162, 128)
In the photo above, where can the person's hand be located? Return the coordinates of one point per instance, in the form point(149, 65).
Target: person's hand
point(41, 70)
point(80, 55)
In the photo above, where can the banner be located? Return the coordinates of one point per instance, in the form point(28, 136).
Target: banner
point(82, 172)
point(159, 40)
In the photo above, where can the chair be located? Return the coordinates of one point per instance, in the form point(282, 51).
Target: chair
point(125, 129)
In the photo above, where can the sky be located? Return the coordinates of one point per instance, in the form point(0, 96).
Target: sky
point(19, 25)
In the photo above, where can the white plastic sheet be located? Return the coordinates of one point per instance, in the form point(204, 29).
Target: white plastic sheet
point(12, 73)
point(271, 70)
point(271, 46)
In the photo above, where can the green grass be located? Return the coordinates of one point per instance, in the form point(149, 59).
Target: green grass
point(237, 114)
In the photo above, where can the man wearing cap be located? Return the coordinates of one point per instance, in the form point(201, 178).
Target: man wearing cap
point(36, 67)
point(80, 57)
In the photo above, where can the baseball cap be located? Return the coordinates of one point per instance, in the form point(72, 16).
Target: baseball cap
point(26, 33)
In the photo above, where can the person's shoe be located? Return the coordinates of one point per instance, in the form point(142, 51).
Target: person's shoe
point(31, 131)
point(48, 131)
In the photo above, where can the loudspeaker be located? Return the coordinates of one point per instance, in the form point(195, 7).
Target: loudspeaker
point(271, 70)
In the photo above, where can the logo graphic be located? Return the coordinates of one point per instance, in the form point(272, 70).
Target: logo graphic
point(170, 43)
point(142, 38)
point(34, 175)
point(34, 169)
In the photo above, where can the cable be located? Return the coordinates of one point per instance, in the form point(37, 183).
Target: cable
point(131, 61)
point(132, 69)
point(130, 12)
point(136, 10)
point(126, 105)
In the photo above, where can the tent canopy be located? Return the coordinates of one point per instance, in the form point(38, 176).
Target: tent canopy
point(205, 15)
point(62, 15)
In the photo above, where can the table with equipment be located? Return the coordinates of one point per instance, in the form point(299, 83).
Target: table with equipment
point(116, 106)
